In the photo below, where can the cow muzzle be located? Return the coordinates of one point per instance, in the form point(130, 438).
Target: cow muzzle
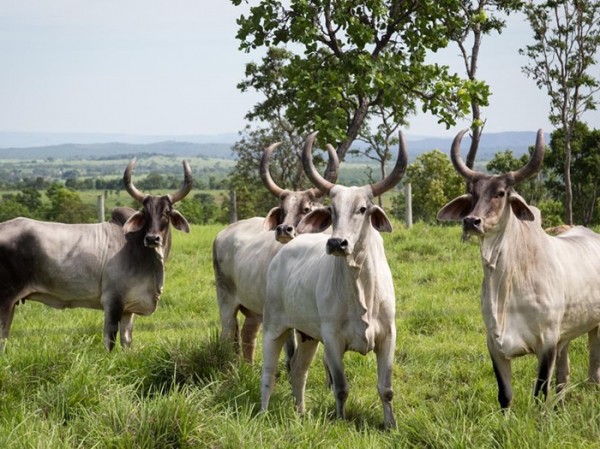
point(285, 233)
point(152, 241)
point(473, 225)
point(338, 247)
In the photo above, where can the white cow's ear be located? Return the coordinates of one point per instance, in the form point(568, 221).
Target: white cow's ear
point(134, 223)
point(457, 209)
point(379, 219)
point(271, 220)
point(520, 208)
point(179, 222)
point(315, 221)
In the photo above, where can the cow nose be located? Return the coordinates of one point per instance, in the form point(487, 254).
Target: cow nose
point(472, 223)
point(337, 246)
point(152, 240)
point(285, 233)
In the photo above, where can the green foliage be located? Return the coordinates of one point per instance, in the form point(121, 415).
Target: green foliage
point(353, 59)
point(285, 166)
point(585, 170)
point(66, 206)
point(434, 182)
point(201, 209)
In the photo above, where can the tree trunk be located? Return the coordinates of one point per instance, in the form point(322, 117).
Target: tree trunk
point(352, 132)
point(567, 175)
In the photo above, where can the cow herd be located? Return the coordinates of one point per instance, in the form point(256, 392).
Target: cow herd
point(311, 273)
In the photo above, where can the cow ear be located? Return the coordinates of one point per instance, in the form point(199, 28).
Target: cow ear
point(179, 222)
point(379, 219)
point(520, 208)
point(457, 209)
point(315, 221)
point(134, 223)
point(272, 219)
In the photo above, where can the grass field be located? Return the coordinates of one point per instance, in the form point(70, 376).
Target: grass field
point(178, 386)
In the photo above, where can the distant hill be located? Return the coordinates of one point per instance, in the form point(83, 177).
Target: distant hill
point(28, 140)
point(218, 146)
point(107, 150)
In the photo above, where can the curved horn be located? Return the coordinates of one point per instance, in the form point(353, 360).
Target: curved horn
point(398, 171)
point(187, 184)
point(460, 167)
point(534, 163)
point(135, 193)
point(322, 184)
point(332, 170)
point(265, 175)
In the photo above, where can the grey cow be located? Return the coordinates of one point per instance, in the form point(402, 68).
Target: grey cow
point(117, 266)
point(539, 292)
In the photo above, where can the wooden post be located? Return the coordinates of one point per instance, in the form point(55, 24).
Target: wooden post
point(233, 207)
point(408, 211)
point(100, 208)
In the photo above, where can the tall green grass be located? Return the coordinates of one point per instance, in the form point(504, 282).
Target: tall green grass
point(179, 386)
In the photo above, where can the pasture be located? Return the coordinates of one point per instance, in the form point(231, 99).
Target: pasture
point(178, 386)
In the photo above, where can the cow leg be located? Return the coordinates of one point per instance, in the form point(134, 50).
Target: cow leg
point(328, 376)
point(563, 369)
point(7, 312)
point(229, 324)
point(250, 329)
point(126, 329)
point(503, 373)
point(113, 312)
point(304, 356)
point(334, 353)
point(385, 361)
point(273, 341)
point(546, 363)
point(594, 356)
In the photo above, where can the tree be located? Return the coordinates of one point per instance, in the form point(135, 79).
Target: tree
point(379, 144)
point(567, 35)
point(285, 168)
point(476, 20)
point(585, 167)
point(31, 199)
point(66, 206)
point(434, 183)
point(356, 58)
point(532, 189)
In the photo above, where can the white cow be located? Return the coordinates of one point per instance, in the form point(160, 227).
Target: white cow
point(347, 301)
point(242, 253)
point(539, 292)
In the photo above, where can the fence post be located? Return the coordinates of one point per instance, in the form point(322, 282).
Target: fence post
point(100, 208)
point(233, 207)
point(408, 212)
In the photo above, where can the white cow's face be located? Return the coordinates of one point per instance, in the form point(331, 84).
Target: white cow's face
point(351, 213)
point(293, 207)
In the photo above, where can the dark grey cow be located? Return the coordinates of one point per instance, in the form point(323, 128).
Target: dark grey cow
point(116, 266)
point(539, 292)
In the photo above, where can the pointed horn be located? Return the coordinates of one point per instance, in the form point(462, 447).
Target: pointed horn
point(135, 193)
point(265, 175)
point(187, 184)
point(397, 173)
point(323, 185)
point(534, 163)
point(460, 167)
point(332, 170)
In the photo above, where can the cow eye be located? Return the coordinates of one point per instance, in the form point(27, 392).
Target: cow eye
point(363, 210)
point(306, 210)
point(500, 194)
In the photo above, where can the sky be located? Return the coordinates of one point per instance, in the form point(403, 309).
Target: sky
point(170, 67)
